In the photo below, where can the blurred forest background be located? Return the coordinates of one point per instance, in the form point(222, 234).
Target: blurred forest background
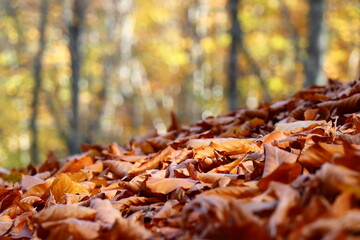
point(87, 71)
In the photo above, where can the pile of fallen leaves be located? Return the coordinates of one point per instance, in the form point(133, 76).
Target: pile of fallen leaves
point(287, 170)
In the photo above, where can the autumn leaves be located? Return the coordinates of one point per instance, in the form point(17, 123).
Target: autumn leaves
point(288, 170)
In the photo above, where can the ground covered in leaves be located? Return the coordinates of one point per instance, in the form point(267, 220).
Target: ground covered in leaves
point(287, 170)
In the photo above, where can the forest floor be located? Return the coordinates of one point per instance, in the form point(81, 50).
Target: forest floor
point(287, 170)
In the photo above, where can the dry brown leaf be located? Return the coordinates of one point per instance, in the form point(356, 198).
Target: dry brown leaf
point(347, 105)
point(238, 146)
point(227, 168)
point(51, 164)
point(197, 143)
point(343, 203)
point(288, 198)
point(28, 181)
point(167, 185)
point(106, 213)
point(298, 126)
point(118, 167)
point(170, 208)
point(329, 228)
point(274, 136)
point(72, 198)
point(318, 154)
point(126, 230)
point(133, 158)
point(31, 199)
point(5, 226)
point(9, 198)
point(60, 211)
point(132, 201)
point(338, 178)
point(77, 229)
point(97, 167)
point(152, 162)
point(40, 189)
point(350, 157)
point(274, 157)
point(211, 178)
point(232, 192)
point(285, 173)
point(217, 218)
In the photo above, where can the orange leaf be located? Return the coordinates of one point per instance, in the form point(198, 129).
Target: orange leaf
point(76, 164)
point(285, 173)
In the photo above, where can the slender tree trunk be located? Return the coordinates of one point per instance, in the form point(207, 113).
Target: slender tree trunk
point(37, 73)
point(235, 33)
point(195, 84)
point(316, 43)
point(75, 28)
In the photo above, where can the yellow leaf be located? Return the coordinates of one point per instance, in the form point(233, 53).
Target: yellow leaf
point(64, 185)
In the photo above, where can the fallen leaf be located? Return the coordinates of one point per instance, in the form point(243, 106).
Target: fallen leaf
point(285, 173)
point(76, 164)
point(167, 185)
point(152, 162)
point(63, 184)
point(60, 211)
point(298, 126)
point(78, 229)
point(106, 213)
point(118, 167)
point(318, 154)
point(274, 157)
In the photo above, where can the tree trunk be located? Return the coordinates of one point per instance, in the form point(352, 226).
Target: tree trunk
point(195, 83)
point(316, 43)
point(75, 28)
point(37, 73)
point(235, 32)
point(237, 44)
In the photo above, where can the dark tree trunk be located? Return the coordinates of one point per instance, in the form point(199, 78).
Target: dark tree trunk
point(75, 28)
point(37, 73)
point(238, 46)
point(316, 43)
point(235, 32)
